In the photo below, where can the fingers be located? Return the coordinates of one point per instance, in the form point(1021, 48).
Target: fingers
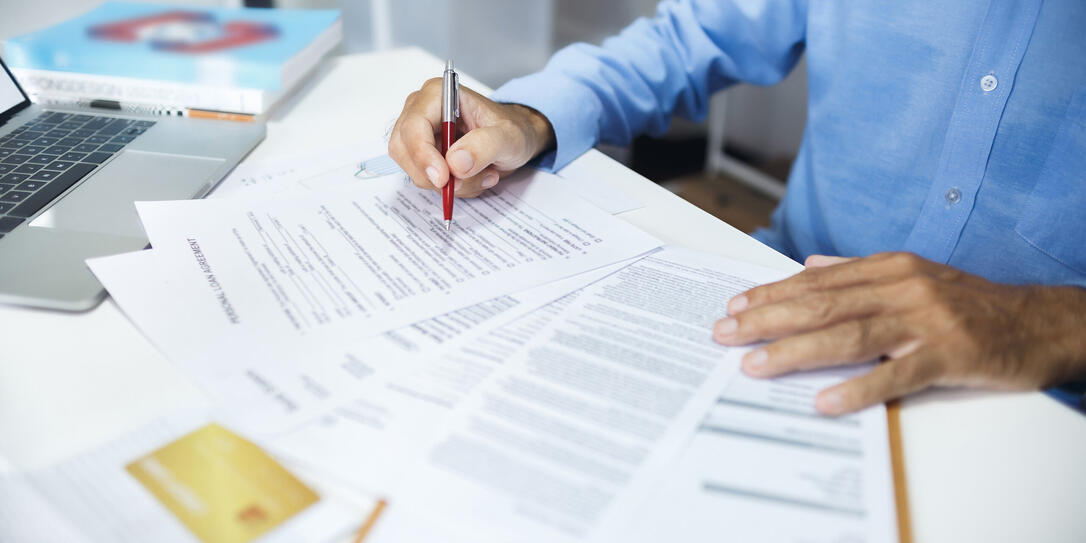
point(828, 277)
point(884, 382)
point(500, 146)
point(475, 185)
point(846, 343)
point(803, 313)
point(412, 143)
point(423, 163)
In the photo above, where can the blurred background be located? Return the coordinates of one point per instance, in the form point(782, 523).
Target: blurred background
point(732, 164)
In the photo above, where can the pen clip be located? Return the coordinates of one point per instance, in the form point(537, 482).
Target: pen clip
point(456, 95)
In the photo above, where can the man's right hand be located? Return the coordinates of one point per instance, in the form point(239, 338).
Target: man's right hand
point(497, 139)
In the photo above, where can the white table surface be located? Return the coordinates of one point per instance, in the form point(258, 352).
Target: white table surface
point(980, 466)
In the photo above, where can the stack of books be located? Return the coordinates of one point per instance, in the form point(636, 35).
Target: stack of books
point(158, 59)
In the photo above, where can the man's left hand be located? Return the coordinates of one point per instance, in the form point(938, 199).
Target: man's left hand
point(929, 324)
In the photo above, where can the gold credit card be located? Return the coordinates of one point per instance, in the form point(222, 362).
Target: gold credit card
point(222, 487)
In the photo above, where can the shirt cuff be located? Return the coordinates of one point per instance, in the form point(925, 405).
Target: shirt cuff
point(572, 109)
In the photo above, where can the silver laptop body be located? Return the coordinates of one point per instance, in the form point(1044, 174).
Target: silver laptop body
point(42, 252)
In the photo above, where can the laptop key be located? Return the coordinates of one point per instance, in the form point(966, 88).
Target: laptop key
point(51, 190)
point(114, 128)
point(45, 175)
point(14, 178)
point(70, 125)
point(97, 158)
point(5, 152)
point(45, 141)
point(5, 168)
point(97, 123)
point(31, 186)
point(69, 142)
point(85, 148)
point(97, 139)
point(82, 133)
point(74, 157)
point(81, 117)
point(28, 135)
point(14, 196)
point(4, 207)
point(7, 224)
point(4, 187)
point(59, 165)
point(144, 124)
point(42, 159)
point(111, 147)
point(28, 168)
point(57, 150)
point(15, 158)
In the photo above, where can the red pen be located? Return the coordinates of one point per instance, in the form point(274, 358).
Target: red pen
point(450, 111)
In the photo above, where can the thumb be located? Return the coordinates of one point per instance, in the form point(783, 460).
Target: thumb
point(482, 147)
point(822, 261)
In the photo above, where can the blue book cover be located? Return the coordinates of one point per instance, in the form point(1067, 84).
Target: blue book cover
point(226, 47)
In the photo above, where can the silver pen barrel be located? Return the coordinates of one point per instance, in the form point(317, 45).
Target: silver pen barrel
point(450, 94)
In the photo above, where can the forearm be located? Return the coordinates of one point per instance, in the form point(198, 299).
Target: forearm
point(656, 68)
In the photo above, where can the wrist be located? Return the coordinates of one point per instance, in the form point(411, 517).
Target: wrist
point(541, 136)
point(1063, 330)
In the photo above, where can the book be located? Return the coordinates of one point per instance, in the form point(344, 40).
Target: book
point(174, 58)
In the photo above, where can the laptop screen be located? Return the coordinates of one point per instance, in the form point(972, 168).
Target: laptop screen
point(10, 95)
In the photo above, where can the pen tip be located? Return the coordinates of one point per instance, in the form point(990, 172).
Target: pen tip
point(448, 225)
point(448, 65)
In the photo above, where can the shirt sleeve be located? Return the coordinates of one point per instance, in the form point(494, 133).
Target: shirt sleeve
point(655, 68)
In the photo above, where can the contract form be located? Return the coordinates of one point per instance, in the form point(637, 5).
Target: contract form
point(271, 395)
point(374, 257)
point(563, 421)
point(765, 466)
point(367, 161)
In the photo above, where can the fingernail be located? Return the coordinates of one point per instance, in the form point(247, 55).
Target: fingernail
point(459, 182)
point(738, 304)
point(829, 402)
point(756, 358)
point(726, 328)
point(490, 181)
point(461, 161)
point(431, 172)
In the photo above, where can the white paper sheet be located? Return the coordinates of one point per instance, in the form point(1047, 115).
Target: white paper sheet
point(365, 161)
point(578, 410)
point(369, 259)
point(275, 394)
point(401, 407)
point(326, 168)
point(764, 466)
point(92, 495)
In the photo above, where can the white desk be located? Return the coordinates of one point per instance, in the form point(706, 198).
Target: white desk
point(980, 466)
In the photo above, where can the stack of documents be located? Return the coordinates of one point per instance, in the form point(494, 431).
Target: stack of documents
point(542, 372)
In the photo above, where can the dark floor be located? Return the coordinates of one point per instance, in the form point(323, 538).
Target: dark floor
point(726, 199)
point(677, 163)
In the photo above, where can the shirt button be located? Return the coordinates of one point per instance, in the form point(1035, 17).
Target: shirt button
point(988, 83)
point(953, 196)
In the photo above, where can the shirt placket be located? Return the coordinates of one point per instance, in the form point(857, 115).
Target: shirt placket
point(982, 97)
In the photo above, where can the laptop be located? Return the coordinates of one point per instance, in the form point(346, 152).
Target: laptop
point(68, 180)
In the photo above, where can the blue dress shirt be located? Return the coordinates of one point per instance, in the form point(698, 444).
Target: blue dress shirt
point(954, 130)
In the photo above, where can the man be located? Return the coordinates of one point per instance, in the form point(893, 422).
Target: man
point(953, 133)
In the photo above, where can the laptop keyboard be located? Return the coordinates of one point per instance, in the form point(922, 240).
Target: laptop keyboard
point(42, 158)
